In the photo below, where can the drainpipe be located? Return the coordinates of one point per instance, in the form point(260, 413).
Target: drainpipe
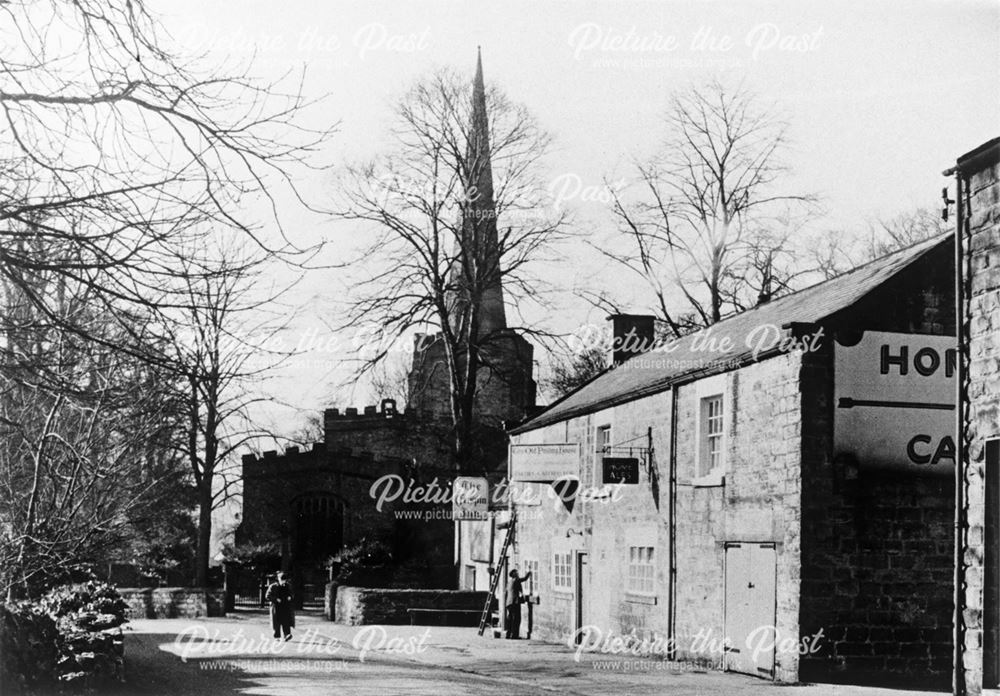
point(958, 678)
point(672, 523)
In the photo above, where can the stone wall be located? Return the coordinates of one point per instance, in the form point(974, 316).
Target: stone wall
point(877, 549)
point(173, 602)
point(384, 434)
point(876, 561)
point(980, 171)
point(358, 606)
point(604, 528)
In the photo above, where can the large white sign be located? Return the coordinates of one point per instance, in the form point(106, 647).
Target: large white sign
point(544, 463)
point(894, 401)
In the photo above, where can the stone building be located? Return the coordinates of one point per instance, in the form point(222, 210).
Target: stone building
point(977, 174)
point(771, 496)
point(313, 503)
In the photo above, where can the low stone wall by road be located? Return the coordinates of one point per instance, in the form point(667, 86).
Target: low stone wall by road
point(173, 602)
point(357, 606)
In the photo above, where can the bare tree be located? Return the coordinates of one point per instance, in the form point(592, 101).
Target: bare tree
point(573, 371)
point(87, 432)
point(223, 344)
point(116, 150)
point(390, 379)
point(465, 163)
point(311, 431)
point(121, 162)
point(886, 235)
point(834, 252)
point(707, 228)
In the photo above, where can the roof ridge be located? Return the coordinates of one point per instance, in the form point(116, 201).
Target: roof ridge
point(929, 242)
point(826, 298)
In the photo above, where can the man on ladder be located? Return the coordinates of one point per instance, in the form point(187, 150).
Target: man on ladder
point(486, 618)
point(514, 597)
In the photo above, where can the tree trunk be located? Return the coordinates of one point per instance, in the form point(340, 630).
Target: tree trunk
point(204, 532)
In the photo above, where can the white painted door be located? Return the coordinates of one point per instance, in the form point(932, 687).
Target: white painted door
point(750, 608)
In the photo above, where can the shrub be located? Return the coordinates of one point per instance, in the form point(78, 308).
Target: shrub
point(29, 648)
point(367, 552)
point(88, 616)
point(83, 603)
point(264, 556)
point(369, 562)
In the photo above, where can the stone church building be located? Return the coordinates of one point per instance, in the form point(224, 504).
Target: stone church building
point(315, 502)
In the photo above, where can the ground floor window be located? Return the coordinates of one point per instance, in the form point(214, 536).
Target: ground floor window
point(641, 573)
point(531, 566)
point(562, 571)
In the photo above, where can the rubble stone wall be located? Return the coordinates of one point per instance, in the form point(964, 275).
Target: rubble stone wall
point(173, 602)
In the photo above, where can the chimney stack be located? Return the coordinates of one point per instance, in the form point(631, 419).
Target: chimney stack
point(631, 334)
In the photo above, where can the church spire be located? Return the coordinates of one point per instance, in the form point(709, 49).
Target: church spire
point(478, 149)
point(479, 218)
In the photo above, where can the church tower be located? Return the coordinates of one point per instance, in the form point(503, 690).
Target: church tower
point(506, 389)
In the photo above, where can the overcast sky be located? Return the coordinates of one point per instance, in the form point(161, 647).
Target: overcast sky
point(880, 96)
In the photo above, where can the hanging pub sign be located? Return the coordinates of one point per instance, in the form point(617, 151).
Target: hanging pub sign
point(544, 463)
point(470, 499)
point(620, 470)
point(894, 399)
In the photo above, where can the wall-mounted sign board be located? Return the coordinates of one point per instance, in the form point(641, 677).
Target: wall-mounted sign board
point(470, 498)
point(620, 470)
point(894, 401)
point(544, 463)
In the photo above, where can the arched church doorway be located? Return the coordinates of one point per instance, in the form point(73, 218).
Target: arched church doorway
point(317, 534)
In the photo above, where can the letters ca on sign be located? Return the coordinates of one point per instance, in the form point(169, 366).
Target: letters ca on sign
point(895, 401)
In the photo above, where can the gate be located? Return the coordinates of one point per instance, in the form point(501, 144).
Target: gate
point(245, 587)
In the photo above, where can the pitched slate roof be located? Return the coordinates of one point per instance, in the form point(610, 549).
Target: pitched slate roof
point(680, 361)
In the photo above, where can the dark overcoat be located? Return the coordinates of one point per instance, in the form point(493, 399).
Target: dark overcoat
point(279, 596)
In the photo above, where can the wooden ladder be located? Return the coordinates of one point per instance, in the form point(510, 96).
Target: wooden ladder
point(494, 581)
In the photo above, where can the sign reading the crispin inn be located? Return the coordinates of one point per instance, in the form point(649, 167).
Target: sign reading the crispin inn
point(544, 463)
point(894, 398)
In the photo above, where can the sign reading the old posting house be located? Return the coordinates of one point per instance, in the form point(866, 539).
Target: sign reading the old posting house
point(544, 463)
point(470, 499)
point(894, 401)
point(620, 470)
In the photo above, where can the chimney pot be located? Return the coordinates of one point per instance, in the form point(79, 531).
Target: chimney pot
point(631, 335)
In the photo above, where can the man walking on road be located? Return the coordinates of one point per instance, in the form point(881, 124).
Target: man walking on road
point(515, 596)
point(279, 596)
